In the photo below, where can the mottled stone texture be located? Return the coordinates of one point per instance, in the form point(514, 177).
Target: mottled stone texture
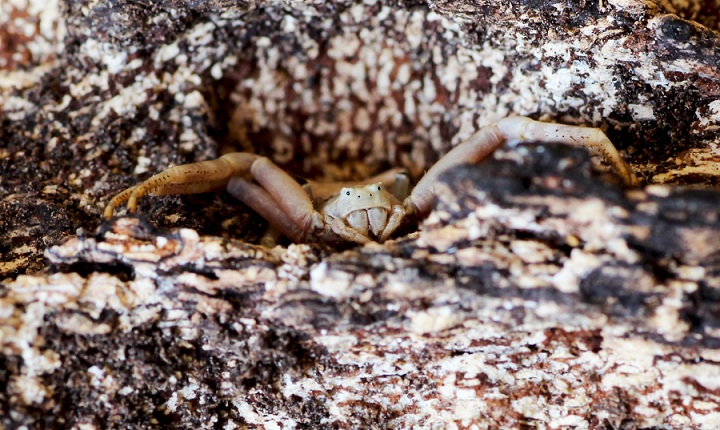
point(538, 294)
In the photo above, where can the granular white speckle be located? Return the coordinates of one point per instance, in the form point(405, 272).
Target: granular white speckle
point(641, 112)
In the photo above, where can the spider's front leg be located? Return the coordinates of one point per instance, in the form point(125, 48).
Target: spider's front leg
point(513, 129)
point(254, 180)
point(191, 178)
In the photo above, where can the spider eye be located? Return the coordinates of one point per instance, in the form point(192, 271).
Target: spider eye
point(347, 193)
point(379, 188)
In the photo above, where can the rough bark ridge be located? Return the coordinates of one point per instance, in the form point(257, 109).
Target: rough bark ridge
point(538, 293)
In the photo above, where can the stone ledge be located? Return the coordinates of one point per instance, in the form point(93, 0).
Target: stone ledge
point(537, 292)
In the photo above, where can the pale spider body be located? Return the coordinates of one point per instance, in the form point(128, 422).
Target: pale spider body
point(360, 212)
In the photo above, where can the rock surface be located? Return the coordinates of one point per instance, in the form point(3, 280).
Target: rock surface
point(538, 293)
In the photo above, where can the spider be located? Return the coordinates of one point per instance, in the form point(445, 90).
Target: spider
point(360, 212)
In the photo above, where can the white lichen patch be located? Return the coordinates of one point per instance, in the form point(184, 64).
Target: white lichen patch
point(336, 286)
point(432, 321)
point(33, 31)
point(709, 116)
point(641, 112)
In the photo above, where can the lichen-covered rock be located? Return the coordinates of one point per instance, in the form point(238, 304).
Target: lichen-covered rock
point(533, 292)
point(102, 95)
point(537, 293)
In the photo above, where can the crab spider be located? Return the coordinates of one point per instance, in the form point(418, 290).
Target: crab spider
point(359, 212)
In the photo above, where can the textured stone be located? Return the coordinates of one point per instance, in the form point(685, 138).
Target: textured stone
point(538, 293)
